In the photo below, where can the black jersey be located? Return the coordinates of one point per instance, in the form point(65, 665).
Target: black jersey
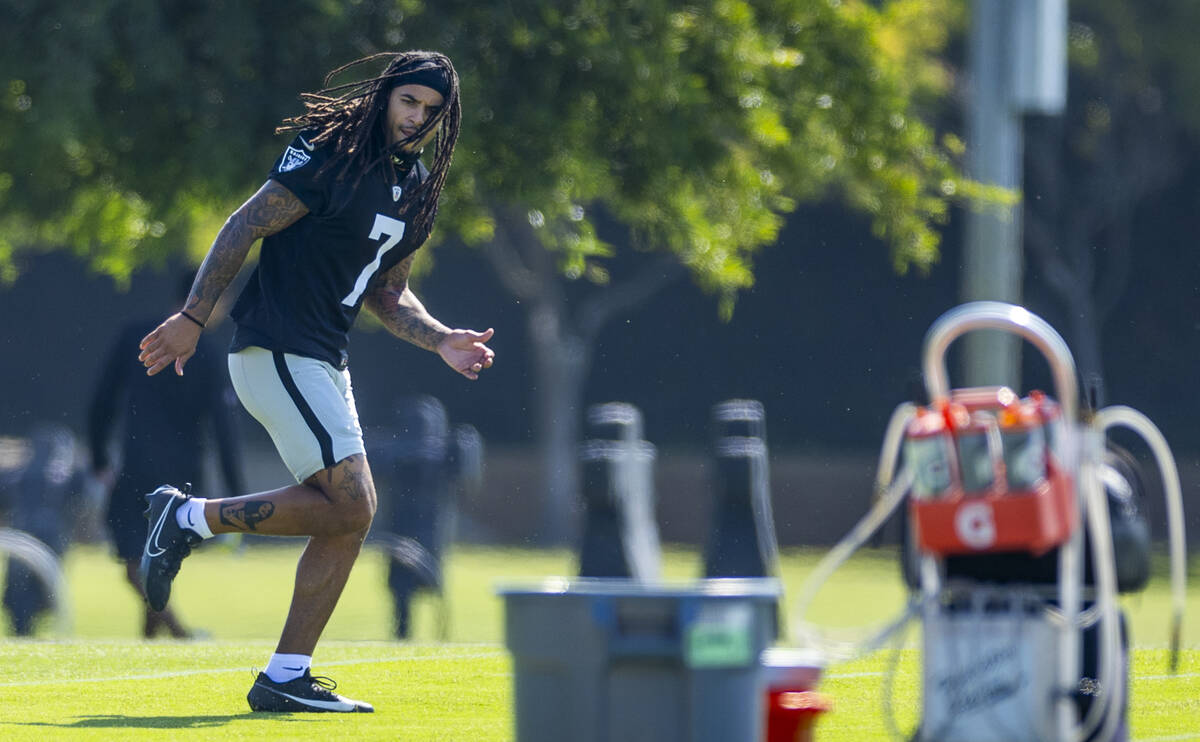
point(311, 277)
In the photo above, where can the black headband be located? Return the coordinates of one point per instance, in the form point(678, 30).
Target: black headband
point(429, 75)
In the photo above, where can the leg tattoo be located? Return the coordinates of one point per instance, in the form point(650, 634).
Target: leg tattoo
point(351, 484)
point(245, 516)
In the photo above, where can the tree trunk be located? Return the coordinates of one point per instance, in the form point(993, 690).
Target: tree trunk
point(560, 369)
point(562, 334)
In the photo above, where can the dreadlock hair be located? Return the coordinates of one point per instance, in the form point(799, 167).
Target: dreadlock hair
point(352, 116)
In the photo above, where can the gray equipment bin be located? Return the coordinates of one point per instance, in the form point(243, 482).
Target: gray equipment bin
point(617, 660)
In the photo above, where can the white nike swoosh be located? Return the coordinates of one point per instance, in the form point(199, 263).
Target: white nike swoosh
point(307, 146)
point(330, 705)
point(154, 534)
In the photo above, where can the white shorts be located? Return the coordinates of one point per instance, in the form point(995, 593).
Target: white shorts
point(306, 405)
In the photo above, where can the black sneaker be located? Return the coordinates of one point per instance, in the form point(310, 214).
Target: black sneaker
point(305, 693)
point(166, 545)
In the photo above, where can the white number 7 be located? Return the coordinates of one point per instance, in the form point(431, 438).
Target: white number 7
point(393, 229)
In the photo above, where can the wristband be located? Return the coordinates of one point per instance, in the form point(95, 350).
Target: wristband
point(198, 322)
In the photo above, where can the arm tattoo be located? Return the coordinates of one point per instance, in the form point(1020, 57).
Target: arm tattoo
point(268, 211)
point(245, 516)
point(402, 313)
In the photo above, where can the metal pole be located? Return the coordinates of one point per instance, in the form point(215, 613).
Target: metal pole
point(992, 265)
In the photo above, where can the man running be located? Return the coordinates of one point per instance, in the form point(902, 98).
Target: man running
point(340, 216)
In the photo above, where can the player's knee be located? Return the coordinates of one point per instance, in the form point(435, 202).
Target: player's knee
point(349, 515)
point(356, 516)
point(362, 513)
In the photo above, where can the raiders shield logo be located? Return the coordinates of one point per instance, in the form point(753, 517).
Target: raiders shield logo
point(293, 158)
point(396, 191)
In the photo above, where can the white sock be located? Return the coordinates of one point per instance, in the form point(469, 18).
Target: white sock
point(190, 515)
point(285, 667)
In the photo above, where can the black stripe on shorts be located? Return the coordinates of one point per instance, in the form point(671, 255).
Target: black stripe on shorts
point(324, 439)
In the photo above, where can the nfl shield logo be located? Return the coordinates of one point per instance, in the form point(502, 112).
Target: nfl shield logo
point(396, 191)
point(292, 159)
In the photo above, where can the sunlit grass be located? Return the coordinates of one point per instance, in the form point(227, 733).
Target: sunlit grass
point(102, 682)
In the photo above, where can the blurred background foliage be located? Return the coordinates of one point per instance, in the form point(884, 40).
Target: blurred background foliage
point(612, 148)
point(1126, 140)
point(127, 123)
point(592, 130)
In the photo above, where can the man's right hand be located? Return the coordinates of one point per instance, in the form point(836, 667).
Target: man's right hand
point(174, 341)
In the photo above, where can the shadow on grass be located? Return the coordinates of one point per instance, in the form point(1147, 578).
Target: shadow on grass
point(121, 721)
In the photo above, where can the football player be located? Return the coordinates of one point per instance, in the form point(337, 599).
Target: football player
point(340, 216)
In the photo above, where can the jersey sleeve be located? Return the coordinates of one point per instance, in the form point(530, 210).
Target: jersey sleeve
point(299, 170)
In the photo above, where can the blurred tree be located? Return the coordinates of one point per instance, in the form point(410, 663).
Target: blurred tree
point(124, 124)
point(599, 129)
point(1132, 117)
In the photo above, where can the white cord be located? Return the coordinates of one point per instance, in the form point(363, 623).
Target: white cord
point(889, 494)
point(1105, 712)
point(807, 634)
point(1139, 423)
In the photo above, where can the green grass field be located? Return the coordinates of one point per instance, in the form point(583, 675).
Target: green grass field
point(102, 682)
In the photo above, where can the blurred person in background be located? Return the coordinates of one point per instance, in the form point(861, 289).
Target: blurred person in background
point(164, 427)
point(41, 492)
point(341, 215)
